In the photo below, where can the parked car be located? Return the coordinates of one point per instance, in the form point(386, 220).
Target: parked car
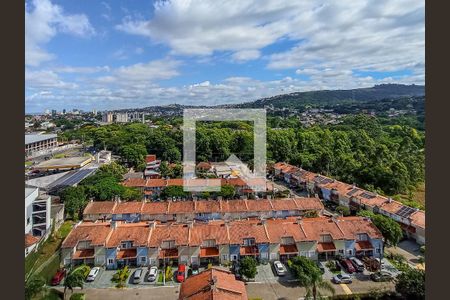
point(322, 269)
point(195, 269)
point(341, 278)
point(152, 274)
point(137, 276)
point(381, 276)
point(347, 264)
point(359, 266)
point(58, 277)
point(181, 273)
point(280, 269)
point(93, 273)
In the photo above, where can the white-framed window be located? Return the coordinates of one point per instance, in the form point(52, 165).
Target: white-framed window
point(303, 253)
point(143, 259)
point(249, 242)
point(100, 260)
point(224, 256)
point(341, 251)
point(67, 261)
point(378, 250)
point(209, 243)
point(118, 216)
point(110, 261)
point(350, 252)
point(194, 260)
point(151, 261)
point(273, 256)
point(264, 255)
point(233, 257)
point(26, 251)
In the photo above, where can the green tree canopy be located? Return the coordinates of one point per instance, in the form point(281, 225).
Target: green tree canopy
point(309, 276)
point(411, 284)
point(248, 267)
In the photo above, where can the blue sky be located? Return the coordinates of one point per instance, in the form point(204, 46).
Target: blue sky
point(123, 54)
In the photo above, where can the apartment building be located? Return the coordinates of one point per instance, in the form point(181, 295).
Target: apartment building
point(115, 244)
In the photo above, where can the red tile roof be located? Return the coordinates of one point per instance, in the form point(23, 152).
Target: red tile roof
point(213, 231)
point(134, 182)
point(209, 252)
point(99, 207)
point(363, 245)
point(130, 207)
point(150, 158)
point(324, 247)
point(214, 284)
point(96, 233)
point(177, 232)
point(30, 240)
point(155, 182)
point(247, 229)
point(278, 229)
point(288, 249)
point(82, 254)
point(155, 208)
point(418, 219)
point(181, 207)
point(138, 233)
point(126, 253)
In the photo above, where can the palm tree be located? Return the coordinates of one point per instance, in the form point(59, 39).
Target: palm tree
point(73, 279)
point(310, 277)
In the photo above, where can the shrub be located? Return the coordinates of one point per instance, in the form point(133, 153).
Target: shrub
point(169, 273)
point(120, 277)
point(78, 296)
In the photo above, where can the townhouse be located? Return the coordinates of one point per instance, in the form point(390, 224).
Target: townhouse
point(152, 188)
point(114, 244)
point(182, 211)
point(411, 220)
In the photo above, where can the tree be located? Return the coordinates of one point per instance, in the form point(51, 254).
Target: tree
point(74, 199)
point(73, 279)
point(389, 228)
point(173, 191)
point(411, 284)
point(113, 169)
point(248, 267)
point(344, 210)
point(310, 277)
point(134, 154)
point(33, 286)
point(227, 191)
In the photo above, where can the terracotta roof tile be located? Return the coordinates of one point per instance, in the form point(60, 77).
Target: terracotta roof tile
point(309, 203)
point(175, 182)
point(30, 240)
point(87, 231)
point(216, 231)
point(138, 233)
point(247, 229)
point(418, 219)
point(177, 232)
point(99, 207)
point(283, 204)
point(155, 208)
point(134, 182)
point(128, 207)
point(181, 207)
point(155, 182)
point(278, 229)
point(226, 287)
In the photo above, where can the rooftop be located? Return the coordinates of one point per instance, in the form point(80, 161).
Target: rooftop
point(33, 138)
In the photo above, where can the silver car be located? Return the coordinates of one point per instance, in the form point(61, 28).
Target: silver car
point(152, 274)
point(92, 274)
point(137, 276)
point(279, 268)
point(342, 278)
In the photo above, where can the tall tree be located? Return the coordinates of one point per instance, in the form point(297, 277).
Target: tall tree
point(247, 267)
point(411, 284)
point(310, 277)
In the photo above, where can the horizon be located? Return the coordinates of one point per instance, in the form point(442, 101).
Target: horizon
point(106, 56)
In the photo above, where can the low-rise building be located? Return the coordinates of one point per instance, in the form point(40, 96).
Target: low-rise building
point(114, 244)
point(39, 142)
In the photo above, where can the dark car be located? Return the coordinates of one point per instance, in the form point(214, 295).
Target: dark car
point(348, 266)
point(381, 276)
point(58, 277)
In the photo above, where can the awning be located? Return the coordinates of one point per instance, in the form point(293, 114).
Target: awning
point(249, 250)
point(209, 252)
point(126, 253)
point(288, 249)
point(325, 247)
point(168, 253)
point(363, 245)
point(85, 253)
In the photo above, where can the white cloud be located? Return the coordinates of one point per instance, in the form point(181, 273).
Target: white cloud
point(343, 35)
point(245, 55)
point(46, 80)
point(43, 21)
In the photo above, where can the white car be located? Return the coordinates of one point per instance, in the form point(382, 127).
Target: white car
point(93, 273)
point(152, 274)
point(279, 268)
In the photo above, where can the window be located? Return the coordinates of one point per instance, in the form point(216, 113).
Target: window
point(28, 220)
point(118, 216)
point(341, 251)
point(326, 238)
point(143, 259)
point(349, 252)
point(151, 261)
point(26, 251)
point(378, 250)
point(110, 261)
point(224, 256)
point(209, 243)
point(249, 242)
point(264, 255)
point(168, 244)
point(273, 256)
point(233, 257)
point(362, 237)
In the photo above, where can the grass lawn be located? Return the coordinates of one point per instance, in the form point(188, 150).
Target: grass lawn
point(50, 269)
point(47, 249)
point(28, 163)
point(59, 155)
point(417, 196)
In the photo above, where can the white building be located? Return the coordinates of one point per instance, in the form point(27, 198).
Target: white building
point(37, 217)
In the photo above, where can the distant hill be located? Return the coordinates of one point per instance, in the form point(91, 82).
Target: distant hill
point(333, 97)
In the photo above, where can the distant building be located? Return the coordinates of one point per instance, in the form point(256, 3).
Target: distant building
point(38, 142)
point(107, 117)
point(122, 118)
point(64, 111)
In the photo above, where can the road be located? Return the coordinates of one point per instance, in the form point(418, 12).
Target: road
point(156, 293)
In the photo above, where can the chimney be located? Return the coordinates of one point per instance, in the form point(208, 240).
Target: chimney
point(113, 224)
point(152, 224)
point(269, 197)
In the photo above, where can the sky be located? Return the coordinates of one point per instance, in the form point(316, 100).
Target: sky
point(107, 55)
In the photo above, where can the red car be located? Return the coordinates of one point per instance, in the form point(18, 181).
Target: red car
point(347, 264)
point(58, 277)
point(181, 273)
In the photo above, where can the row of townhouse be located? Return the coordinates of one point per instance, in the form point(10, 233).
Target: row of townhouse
point(202, 210)
point(412, 220)
point(115, 244)
point(152, 188)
